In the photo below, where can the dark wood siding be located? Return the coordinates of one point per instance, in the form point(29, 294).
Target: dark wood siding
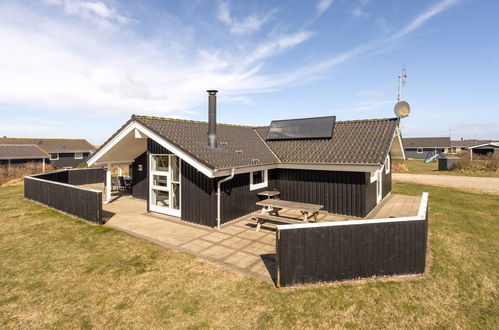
point(320, 254)
point(237, 199)
point(67, 159)
point(155, 148)
point(198, 198)
point(340, 192)
point(140, 179)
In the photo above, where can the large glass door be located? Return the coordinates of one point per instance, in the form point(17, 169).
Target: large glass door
point(164, 188)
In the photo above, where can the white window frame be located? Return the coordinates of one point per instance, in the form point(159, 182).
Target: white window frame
point(79, 153)
point(387, 164)
point(159, 209)
point(260, 185)
point(54, 153)
point(419, 150)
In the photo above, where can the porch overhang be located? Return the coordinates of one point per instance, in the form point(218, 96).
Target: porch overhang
point(131, 142)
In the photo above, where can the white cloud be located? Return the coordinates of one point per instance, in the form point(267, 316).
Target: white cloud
point(249, 24)
point(94, 10)
point(322, 6)
point(425, 16)
point(277, 46)
point(359, 11)
point(67, 66)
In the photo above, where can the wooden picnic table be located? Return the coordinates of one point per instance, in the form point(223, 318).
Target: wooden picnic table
point(270, 194)
point(273, 206)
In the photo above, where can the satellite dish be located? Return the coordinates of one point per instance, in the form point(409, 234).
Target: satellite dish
point(402, 109)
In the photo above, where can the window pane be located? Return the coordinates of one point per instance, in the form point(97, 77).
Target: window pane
point(160, 163)
point(257, 177)
point(159, 180)
point(175, 164)
point(160, 198)
point(175, 196)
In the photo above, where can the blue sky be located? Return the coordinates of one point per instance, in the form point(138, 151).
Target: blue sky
point(80, 68)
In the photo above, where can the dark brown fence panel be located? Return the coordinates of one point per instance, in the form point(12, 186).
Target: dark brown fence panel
point(59, 176)
point(349, 251)
point(86, 176)
point(83, 203)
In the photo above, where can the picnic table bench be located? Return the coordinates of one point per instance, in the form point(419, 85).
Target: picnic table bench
point(271, 208)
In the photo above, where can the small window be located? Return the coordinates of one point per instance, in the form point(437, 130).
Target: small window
point(419, 150)
point(54, 156)
point(387, 164)
point(78, 155)
point(258, 180)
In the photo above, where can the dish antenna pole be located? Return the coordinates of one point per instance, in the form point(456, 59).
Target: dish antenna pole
point(401, 81)
point(402, 108)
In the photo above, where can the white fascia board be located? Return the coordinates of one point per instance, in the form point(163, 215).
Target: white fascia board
point(141, 129)
point(300, 166)
point(180, 153)
point(492, 144)
point(96, 156)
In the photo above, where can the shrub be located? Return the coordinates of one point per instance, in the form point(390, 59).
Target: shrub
point(399, 167)
point(17, 172)
point(489, 162)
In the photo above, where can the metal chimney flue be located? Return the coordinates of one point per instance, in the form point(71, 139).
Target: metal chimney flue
point(212, 118)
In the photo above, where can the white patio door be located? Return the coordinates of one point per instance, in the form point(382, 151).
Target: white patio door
point(164, 184)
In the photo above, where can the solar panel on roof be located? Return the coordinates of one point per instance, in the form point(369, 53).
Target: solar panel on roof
point(305, 128)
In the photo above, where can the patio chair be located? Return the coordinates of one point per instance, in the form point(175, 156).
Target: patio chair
point(115, 184)
point(124, 184)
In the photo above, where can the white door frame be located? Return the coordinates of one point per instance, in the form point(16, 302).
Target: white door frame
point(160, 209)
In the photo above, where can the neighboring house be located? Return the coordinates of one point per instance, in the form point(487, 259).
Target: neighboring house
point(210, 173)
point(64, 153)
point(463, 145)
point(16, 154)
point(420, 147)
point(484, 149)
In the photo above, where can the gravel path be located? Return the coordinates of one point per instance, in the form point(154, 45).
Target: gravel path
point(467, 183)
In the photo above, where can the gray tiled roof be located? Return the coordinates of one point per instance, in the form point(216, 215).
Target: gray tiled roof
point(237, 145)
point(53, 145)
point(426, 142)
point(22, 151)
point(353, 142)
point(467, 143)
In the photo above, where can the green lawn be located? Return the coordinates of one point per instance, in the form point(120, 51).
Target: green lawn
point(60, 272)
point(418, 166)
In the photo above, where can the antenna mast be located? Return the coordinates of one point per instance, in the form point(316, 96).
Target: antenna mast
point(401, 81)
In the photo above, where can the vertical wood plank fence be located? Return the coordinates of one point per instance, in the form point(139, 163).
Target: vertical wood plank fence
point(54, 190)
point(323, 252)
